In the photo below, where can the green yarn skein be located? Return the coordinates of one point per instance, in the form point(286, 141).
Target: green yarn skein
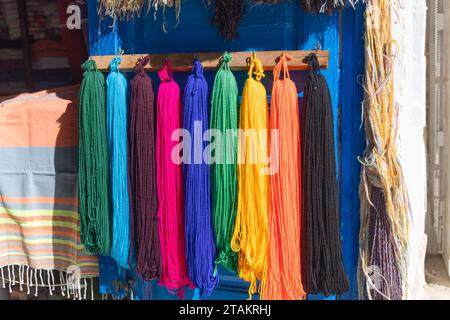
point(224, 117)
point(93, 179)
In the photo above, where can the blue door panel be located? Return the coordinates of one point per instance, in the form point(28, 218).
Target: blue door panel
point(352, 140)
point(274, 27)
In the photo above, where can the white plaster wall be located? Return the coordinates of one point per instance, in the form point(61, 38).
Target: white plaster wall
point(409, 30)
point(446, 95)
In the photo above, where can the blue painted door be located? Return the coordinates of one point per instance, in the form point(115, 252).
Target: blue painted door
point(274, 27)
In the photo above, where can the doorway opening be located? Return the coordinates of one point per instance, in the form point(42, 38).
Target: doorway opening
point(437, 266)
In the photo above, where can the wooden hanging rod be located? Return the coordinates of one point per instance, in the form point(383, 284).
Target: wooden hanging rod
point(183, 61)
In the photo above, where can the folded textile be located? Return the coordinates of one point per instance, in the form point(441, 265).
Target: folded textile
point(39, 219)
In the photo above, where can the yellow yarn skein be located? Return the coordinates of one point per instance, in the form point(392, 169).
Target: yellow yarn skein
point(250, 238)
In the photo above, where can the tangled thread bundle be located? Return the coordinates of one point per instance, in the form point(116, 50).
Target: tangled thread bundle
point(227, 15)
point(385, 221)
point(129, 9)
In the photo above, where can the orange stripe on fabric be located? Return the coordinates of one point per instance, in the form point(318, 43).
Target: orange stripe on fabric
point(21, 256)
point(40, 200)
point(34, 252)
point(90, 261)
point(50, 231)
point(20, 259)
point(16, 242)
point(18, 219)
point(87, 260)
point(68, 251)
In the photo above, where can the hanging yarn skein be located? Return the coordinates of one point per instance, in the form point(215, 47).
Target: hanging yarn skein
point(322, 264)
point(93, 178)
point(117, 113)
point(284, 276)
point(142, 172)
point(174, 274)
point(250, 237)
point(200, 246)
point(224, 118)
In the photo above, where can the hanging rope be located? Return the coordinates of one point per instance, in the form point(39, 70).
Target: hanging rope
point(200, 246)
point(322, 265)
point(170, 186)
point(224, 117)
point(142, 173)
point(93, 180)
point(385, 220)
point(250, 238)
point(117, 114)
point(284, 276)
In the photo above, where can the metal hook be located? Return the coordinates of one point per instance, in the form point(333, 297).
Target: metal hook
point(318, 46)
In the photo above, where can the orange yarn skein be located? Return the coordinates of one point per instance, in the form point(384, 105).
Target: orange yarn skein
point(284, 278)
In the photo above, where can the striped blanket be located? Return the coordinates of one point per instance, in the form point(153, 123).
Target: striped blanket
point(39, 223)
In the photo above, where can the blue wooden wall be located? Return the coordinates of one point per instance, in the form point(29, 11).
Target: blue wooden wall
point(272, 27)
